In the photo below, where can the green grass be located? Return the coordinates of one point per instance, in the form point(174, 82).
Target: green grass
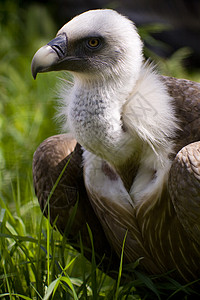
point(35, 260)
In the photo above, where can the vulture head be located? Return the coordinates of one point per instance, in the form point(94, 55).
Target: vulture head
point(131, 122)
point(96, 45)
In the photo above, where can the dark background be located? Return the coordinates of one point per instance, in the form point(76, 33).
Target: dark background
point(181, 17)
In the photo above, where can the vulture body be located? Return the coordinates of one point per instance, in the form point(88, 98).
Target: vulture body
point(133, 154)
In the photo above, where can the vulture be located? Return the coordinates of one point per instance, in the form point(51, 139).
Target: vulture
point(128, 162)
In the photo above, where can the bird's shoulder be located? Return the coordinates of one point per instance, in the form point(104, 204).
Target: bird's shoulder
point(185, 95)
point(184, 91)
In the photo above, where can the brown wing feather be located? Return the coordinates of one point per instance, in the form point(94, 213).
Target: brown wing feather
point(184, 187)
point(186, 97)
point(49, 160)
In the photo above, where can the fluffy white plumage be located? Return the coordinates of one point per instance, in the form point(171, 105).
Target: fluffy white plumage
point(128, 92)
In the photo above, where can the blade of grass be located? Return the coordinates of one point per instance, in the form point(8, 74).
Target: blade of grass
point(93, 266)
point(148, 282)
point(83, 288)
point(71, 218)
point(19, 238)
point(69, 264)
point(8, 212)
point(17, 295)
point(48, 245)
point(51, 288)
point(120, 268)
point(35, 290)
point(18, 241)
point(7, 283)
point(2, 216)
point(183, 288)
point(67, 280)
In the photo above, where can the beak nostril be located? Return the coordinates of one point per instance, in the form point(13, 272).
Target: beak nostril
point(59, 45)
point(58, 50)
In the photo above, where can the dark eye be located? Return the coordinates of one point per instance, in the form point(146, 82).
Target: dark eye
point(93, 43)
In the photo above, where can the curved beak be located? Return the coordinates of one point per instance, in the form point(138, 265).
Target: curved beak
point(51, 56)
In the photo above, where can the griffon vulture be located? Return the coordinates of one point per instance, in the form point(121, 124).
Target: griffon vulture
point(133, 146)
